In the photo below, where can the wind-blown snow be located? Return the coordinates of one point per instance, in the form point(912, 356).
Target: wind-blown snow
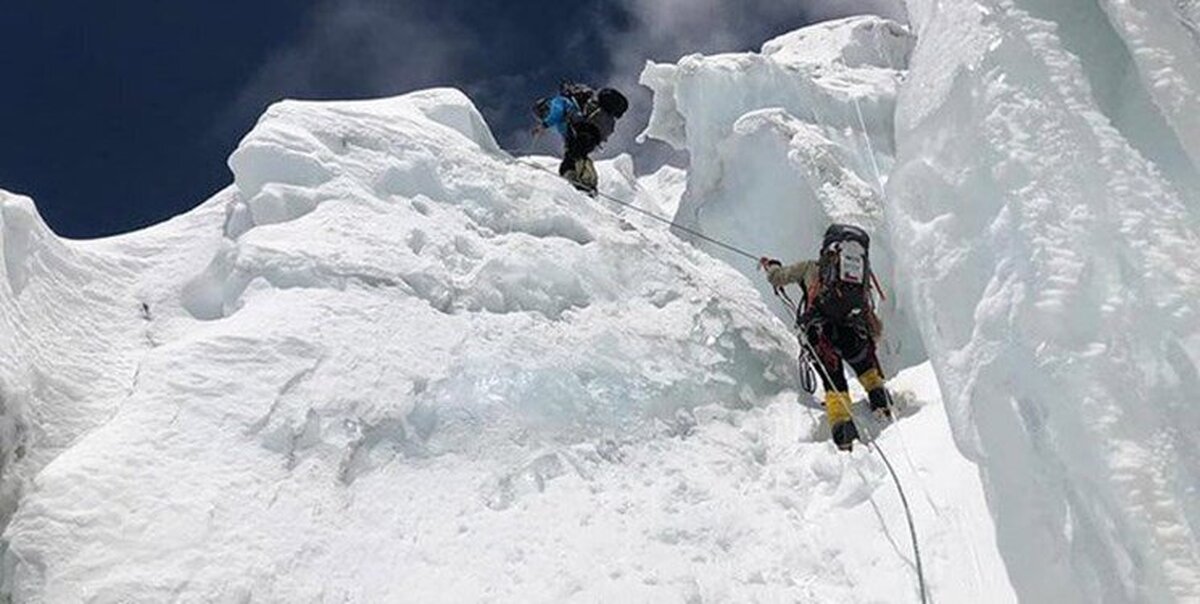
point(392, 363)
point(1052, 262)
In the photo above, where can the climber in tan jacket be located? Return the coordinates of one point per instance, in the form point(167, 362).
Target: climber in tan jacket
point(838, 321)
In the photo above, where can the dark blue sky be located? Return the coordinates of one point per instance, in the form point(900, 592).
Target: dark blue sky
point(115, 115)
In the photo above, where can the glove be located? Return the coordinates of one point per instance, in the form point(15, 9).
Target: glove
point(766, 264)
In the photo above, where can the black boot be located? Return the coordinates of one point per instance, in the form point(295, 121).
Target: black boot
point(844, 435)
point(881, 402)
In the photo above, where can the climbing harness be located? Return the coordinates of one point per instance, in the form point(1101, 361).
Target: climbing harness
point(871, 443)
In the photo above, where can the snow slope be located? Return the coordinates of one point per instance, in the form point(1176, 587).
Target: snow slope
point(393, 363)
point(74, 329)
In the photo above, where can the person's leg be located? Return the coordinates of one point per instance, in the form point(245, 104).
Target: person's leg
point(577, 168)
point(571, 155)
point(586, 174)
point(859, 351)
point(837, 391)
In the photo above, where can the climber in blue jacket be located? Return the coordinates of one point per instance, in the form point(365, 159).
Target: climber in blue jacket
point(560, 110)
point(585, 119)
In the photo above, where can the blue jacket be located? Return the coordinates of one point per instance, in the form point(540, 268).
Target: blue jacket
point(562, 109)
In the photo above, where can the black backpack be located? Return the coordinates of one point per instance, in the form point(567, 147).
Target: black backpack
point(843, 292)
point(613, 102)
point(582, 94)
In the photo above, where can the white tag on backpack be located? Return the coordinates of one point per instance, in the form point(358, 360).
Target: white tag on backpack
point(852, 262)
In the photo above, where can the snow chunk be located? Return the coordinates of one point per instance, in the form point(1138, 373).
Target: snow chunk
point(73, 324)
point(856, 42)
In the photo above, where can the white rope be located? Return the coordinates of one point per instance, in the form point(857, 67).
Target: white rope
point(872, 444)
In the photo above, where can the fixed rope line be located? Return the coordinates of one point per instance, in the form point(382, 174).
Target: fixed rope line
point(667, 221)
point(872, 444)
point(883, 196)
point(803, 338)
point(870, 150)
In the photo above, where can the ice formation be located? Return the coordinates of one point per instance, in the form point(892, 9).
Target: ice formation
point(784, 141)
point(1053, 264)
point(393, 363)
point(1040, 217)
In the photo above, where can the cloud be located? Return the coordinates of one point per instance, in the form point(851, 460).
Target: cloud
point(505, 57)
point(834, 9)
point(358, 48)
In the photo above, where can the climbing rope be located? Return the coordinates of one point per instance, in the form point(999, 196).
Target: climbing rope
point(871, 443)
point(803, 339)
point(664, 220)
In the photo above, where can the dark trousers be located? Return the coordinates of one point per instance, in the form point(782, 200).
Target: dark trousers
point(578, 144)
point(840, 344)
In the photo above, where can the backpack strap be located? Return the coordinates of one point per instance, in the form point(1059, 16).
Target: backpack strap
point(878, 287)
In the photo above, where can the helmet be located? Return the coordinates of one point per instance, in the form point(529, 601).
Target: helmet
point(613, 102)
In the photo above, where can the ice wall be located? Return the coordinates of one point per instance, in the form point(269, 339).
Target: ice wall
point(785, 141)
point(1163, 39)
point(63, 334)
point(1040, 206)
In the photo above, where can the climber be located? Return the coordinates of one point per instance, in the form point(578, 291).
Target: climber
point(837, 320)
point(585, 119)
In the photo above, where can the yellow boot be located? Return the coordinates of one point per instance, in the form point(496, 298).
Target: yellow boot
point(877, 395)
point(837, 409)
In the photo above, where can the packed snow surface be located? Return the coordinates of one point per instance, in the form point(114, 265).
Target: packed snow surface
point(393, 363)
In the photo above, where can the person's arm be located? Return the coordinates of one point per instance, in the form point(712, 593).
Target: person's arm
point(779, 275)
point(560, 111)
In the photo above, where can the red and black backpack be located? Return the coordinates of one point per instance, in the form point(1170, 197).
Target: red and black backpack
point(843, 290)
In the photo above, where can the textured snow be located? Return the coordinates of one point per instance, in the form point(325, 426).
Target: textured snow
point(1038, 223)
point(785, 141)
point(1162, 38)
point(393, 363)
point(1052, 261)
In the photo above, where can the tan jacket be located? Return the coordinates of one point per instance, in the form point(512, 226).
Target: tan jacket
point(803, 273)
point(807, 274)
